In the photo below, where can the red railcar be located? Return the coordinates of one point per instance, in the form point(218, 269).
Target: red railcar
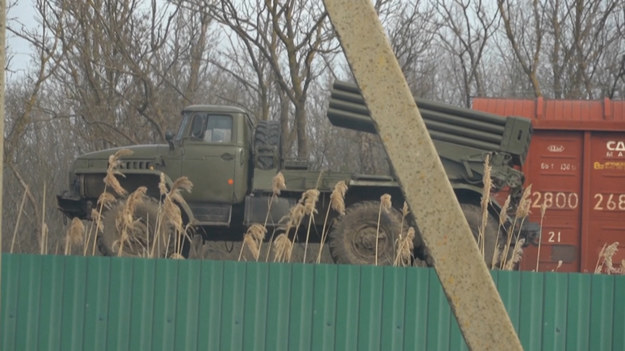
point(576, 166)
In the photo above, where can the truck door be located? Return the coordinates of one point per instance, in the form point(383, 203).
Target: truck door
point(210, 157)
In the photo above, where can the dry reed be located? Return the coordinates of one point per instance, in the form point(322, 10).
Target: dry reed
point(277, 185)
point(558, 266)
point(44, 226)
point(385, 205)
point(106, 199)
point(405, 246)
point(337, 203)
point(517, 254)
point(543, 209)
point(282, 248)
point(253, 238)
point(125, 220)
point(112, 171)
point(522, 211)
point(503, 217)
point(486, 179)
point(605, 258)
point(310, 203)
point(75, 235)
point(17, 221)
point(169, 214)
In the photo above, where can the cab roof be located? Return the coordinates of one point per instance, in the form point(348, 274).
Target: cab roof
point(214, 108)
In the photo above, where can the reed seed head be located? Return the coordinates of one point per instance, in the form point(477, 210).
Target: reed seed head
point(111, 181)
point(76, 231)
point(405, 210)
point(608, 255)
point(257, 232)
point(296, 214)
point(517, 254)
point(337, 198)
point(106, 199)
point(503, 214)
point(278, 183)
point(385, 202)
point(405, 246)
point(310, 201)
point(182, 183)
point(162, 185)
point(524, 205)
point(97, 218)
point(282, 247)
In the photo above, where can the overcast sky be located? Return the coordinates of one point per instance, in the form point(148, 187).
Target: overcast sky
point(20, 14)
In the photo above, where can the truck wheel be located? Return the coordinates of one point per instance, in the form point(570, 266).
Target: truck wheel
point(140, 236)
point(473, 214)
point(267, 144)
point(352, 239)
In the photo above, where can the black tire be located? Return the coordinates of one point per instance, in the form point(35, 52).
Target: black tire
point(352, 238)
point(473, 214)
point(267, 144)
point(141, 235)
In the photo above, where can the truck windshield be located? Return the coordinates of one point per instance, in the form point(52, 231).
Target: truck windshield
point(209, 128)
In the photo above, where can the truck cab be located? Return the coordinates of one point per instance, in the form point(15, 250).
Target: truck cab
point(216, 156)
point(212, 148)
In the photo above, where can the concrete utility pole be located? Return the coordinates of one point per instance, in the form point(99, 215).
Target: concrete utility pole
point(468, 285)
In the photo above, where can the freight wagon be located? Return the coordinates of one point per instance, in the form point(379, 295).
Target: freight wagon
point(576, 166)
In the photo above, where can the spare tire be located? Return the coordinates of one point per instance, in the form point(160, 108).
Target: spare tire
point(267, 145)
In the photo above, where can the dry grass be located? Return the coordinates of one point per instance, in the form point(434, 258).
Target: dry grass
point(310, 203)
point(17, 222)
point(484, 203)
point(543, 210)
point(169, 215)
point(405, 247)
point(385, 205)
point(253, 239)
point(517, 254)
point(522, 211)
point(277, 185)
point(503, 218)
point(125, 221)
point(337, 203)
point(558, 266)
point(604, 261)
point(75, 235)
point(282, 248)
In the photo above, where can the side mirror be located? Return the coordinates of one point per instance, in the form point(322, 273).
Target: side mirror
point(169, 136)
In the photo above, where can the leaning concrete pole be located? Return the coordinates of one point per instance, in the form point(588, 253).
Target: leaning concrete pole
point(468, 285)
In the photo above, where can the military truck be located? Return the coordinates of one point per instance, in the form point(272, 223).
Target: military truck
point(232, 161)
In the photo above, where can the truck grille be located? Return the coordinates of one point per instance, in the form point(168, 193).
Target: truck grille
point(137, 164)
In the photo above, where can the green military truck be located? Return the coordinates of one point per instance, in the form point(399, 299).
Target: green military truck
point(232, 162)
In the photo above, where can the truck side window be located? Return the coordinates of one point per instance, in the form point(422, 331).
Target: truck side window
point(197, 127)
point(218, 129)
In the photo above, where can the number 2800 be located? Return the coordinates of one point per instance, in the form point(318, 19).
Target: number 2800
point(561, 200)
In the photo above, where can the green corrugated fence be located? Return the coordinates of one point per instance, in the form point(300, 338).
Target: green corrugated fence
point(99, 303)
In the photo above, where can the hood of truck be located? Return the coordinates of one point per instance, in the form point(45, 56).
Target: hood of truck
point(138, 151)
point(142, 157)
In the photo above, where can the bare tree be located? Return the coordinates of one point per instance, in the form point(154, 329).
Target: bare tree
point(288, 36)
point(524, 31)
point(466, 28)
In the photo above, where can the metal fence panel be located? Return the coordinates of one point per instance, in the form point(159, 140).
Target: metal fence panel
point(100, 303)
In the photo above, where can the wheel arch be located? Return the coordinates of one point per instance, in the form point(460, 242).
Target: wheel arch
point(151, 181)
